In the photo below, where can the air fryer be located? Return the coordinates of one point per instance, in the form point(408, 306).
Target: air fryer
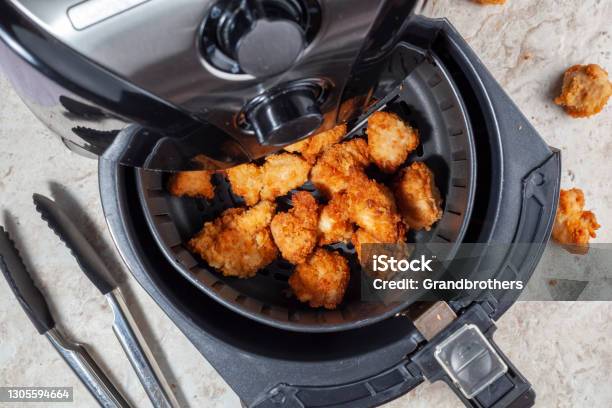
point(154, 85)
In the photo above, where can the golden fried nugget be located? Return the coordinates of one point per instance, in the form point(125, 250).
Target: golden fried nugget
point(417, 197)
point(361, 237)
point(192, 184)
point(321, 280)
point(295, 231)
point(490, 1)
point(239, 242)
point(586, 90)
point(334, 224)
point(282, 173)
point(339, 165)
point(390, 140)
point(246, 181)
point(573, 226)
point(297, 147)
point(312, 147)
point(372, 207)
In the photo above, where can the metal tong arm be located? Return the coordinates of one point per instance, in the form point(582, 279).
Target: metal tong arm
point(87, 370)
point(139, 354)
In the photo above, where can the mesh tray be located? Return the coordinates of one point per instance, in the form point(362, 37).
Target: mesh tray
point(429, 101)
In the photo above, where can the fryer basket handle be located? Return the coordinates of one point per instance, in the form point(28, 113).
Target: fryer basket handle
point(511, 390)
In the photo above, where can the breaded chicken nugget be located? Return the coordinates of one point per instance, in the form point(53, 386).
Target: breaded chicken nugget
point(297, 147)
point(192, 184)
point(390, 140)
point(295, 231)
point(282, 173)
point(246, 181)
point(339, 165)
point(361, 237)
point(586, 90)
point(372, 207)
point(239, 242)
point(334, 223)
point(418, 197)
point(573, 226)
point(321, 280)
point(311, 148)
point(490, 1)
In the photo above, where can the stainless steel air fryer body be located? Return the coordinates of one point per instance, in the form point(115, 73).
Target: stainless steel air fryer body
point(209, 83)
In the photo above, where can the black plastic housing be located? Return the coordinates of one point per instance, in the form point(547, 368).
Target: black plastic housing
point(516, 196)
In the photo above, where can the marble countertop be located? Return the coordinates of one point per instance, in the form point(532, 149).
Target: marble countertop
point(562, 348)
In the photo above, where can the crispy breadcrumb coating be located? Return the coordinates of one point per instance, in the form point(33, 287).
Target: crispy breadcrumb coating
point(295, 231)
point(339, 165)
point(372, 207)
point(246, 181)
point(586, 90)
point(297, 147)
point(360, 237)
point(239, 242)
point(192, 184)
point(321, 280)
point(417, 197)
point(282, 173)
point(334, 223)
point(573, 226)
point(312, 147)
point(490, 1)
point(390, 140)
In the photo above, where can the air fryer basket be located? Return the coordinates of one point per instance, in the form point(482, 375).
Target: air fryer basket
point(428, 100)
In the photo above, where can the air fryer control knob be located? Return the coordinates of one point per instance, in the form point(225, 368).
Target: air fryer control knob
point(285, 117)
point(262, 45)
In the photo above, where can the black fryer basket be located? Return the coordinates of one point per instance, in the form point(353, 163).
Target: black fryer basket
point(428, 100)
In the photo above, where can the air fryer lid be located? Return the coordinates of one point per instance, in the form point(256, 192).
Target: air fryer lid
point(429, 100)
point(203, 83)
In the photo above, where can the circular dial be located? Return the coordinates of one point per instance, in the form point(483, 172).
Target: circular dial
point(285, 117)
point(269, 47)
point(258, 37)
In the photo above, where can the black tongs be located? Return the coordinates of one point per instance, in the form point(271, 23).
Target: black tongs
point(124, 326)
point(35, 306)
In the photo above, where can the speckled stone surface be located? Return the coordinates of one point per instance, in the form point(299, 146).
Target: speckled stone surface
point(564, 349)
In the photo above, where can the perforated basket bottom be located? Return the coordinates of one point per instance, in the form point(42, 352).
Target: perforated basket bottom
point(429, 102)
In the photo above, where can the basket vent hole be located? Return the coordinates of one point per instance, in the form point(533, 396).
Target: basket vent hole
point(294, 316)
point(443, 237)
point(163, 219)
point(218, 285)
point(321, 316)
point(419, 150)
point(266, 309)
point(241, 299)
point(281, 277)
